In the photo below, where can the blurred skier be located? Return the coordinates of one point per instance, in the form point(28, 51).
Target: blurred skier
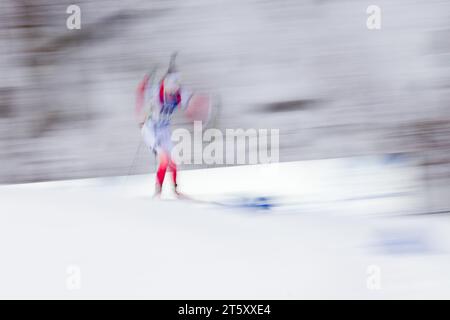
point(164, 98)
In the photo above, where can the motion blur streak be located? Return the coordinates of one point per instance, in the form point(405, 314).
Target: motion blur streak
point(364, 148)
point(310, 68)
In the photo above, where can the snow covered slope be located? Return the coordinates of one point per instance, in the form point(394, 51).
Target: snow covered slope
point(334, 229)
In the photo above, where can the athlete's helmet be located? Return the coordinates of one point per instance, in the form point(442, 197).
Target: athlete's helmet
point(172, 82)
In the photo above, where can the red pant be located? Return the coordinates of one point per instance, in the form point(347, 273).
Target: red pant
point(164, 162)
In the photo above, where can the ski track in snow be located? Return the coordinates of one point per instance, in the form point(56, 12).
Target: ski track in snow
point(127, 245)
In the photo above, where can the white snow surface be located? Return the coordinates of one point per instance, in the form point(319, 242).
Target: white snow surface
point(333, 223)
